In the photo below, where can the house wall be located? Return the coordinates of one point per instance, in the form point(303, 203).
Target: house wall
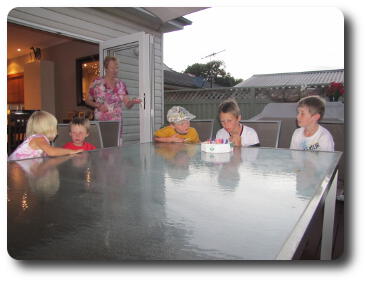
point(158, 83)
point(93, 25)
point(39, 85)
point(64, 56)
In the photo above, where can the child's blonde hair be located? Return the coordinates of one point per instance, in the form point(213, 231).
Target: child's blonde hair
point(42, 122)
point(229, 106)
point(80, 122)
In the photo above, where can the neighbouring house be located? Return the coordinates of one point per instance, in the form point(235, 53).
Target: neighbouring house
point(289, 87)
point(133, 35)
point(174, 80)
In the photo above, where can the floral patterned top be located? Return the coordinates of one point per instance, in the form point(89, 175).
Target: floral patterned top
point(24, 151)
point(112, 98)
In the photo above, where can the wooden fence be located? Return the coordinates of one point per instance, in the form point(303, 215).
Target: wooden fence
point(203, 103)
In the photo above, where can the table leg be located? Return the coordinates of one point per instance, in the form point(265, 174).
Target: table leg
point(328, 225)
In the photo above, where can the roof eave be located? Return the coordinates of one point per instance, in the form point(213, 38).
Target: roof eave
point(144, 18)
point(174, 25)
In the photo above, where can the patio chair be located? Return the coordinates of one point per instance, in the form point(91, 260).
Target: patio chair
point(336, 129)
point(94, 137)
point(267, 131)
point(110, 132)
point(288, 125)
point(204, 128)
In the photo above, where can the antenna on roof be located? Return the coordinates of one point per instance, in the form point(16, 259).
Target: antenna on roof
point(210, 75)
point(213, 54)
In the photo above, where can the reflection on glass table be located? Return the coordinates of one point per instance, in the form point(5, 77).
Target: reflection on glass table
point(170, 202)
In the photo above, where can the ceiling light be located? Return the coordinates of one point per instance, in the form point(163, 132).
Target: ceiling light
point(19, 49)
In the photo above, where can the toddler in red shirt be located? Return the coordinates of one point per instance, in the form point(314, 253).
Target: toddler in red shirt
point(79, 130)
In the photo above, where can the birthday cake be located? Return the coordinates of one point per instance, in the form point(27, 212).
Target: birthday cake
point(217, 146)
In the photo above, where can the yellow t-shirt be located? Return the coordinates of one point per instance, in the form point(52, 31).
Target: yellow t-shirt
point(192, 135)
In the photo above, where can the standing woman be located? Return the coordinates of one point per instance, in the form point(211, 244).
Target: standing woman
point(106, 94)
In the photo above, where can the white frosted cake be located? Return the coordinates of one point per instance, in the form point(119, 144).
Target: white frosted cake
point(216, 147)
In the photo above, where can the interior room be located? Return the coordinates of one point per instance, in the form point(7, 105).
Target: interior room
point(48, 71)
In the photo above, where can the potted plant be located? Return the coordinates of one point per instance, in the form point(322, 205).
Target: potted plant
point(334, 91)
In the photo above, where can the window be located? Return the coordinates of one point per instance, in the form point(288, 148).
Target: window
point(87, 69)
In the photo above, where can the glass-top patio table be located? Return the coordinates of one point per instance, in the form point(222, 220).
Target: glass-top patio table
point(169, 202)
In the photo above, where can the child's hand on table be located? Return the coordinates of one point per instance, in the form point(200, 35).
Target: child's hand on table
point(175, 138)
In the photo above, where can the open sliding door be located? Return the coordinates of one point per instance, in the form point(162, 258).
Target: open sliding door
point(134, 53)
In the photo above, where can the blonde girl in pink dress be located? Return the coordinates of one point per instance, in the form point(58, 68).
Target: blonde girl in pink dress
point(41, 130)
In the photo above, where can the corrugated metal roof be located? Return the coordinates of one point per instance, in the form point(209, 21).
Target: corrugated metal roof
point(294, 79)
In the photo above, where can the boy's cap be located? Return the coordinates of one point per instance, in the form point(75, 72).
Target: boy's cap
point(177, 114)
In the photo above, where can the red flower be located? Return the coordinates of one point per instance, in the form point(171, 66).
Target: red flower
point(335, 89)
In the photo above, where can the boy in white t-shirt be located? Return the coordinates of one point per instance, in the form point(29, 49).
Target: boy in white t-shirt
point(233, 130)
point(311, 136)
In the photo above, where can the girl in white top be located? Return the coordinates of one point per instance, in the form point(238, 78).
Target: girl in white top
point(311, 136)
point(41, 129)
point(238, 134)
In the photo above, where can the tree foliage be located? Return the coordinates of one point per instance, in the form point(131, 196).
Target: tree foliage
point(213, 71)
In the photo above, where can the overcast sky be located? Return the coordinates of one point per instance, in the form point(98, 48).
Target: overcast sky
point(260, 40)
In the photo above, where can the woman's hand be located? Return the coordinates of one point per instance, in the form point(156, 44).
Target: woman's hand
point(130, 102)
point(135, 100)
point(102, 108)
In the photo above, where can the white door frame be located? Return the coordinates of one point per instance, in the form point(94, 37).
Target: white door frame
point(145, 76)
